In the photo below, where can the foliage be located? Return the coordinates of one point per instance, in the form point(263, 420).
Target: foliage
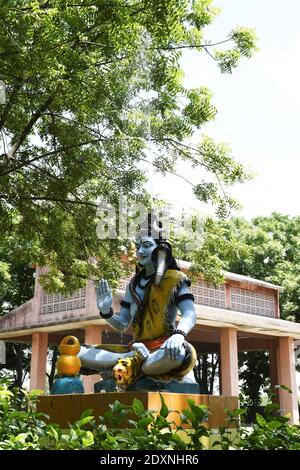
point(265, 248)
point(16, 287)
point(206, 371)
point(21, 428)
point(17, 365)
point(93, 89)
point(4, 277)
point(271, 252)
point(270, 431)
point(212, 252)
point(17, 279)
point(255, 376)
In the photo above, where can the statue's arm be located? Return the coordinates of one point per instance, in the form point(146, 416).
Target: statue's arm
point(185, 304)
point(120, 320)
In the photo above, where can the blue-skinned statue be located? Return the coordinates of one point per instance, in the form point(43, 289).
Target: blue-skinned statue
point(154, 296)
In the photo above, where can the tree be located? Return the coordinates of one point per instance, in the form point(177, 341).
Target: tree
point(206, 371)
point(254, 374)
point(17, 287)
point(272, 253)
point(265, 248)
point(17, 365)
point(269, 250)
point(93, 88)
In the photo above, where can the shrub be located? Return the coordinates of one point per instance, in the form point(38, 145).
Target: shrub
point(21, 427)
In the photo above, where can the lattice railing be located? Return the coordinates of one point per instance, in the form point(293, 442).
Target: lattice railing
point(52, 303)
point(257, 303)
point(242, 300)
point(207, 295)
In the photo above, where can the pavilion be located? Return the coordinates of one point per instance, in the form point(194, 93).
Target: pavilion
point(242, 314)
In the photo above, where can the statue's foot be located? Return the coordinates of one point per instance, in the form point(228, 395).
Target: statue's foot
point(142, 349)
point(127, 370)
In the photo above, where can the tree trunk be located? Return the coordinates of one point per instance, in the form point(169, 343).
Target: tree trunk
point(214, 366)
point(19, 368)
point(204, 374)
point(53, 365)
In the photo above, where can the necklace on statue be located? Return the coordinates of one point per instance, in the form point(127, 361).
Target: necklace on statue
point(145, 278)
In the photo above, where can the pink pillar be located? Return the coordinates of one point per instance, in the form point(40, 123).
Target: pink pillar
point(93, 335)
point(38, 292)
point(287, 376)
point(273, 365)
point(227, 296)
point(229, 362)
point(38, 360)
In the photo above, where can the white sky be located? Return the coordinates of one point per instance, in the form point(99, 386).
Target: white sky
point(258, 108)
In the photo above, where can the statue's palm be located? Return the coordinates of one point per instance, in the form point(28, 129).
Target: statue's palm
point(104, 296)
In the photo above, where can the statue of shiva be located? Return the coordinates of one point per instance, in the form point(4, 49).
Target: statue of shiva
point(154, 296)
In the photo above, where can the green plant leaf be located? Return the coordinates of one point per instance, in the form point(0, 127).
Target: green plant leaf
point(88, 439)
point(164, 410)
point(84, 421)
point(260, 420)
point(138, 407)
point(144, 422)
point(85, 413)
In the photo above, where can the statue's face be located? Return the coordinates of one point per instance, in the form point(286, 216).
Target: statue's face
point(144, 249)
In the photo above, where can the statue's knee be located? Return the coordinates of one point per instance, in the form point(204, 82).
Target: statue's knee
point(82, 352)
point(162, 364)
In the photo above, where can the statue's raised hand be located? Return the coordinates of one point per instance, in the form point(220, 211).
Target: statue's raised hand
point(104, 296)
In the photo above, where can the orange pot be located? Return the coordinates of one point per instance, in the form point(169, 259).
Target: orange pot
point(68, 365)
point(69, 345)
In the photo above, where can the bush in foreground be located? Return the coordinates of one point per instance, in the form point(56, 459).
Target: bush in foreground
point(21, 427)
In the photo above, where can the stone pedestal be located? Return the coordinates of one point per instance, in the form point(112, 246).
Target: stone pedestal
point(64, 409)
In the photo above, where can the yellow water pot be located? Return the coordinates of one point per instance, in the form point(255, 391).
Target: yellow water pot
point(69, 345)
point(68, 365)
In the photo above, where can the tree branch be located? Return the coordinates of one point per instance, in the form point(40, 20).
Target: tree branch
point(168, 171)
point(191, 46)
point(51, 199)
point(26, 130)
point(48, 154)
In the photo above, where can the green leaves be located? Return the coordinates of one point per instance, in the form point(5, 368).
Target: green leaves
point(260, 420)
point(88, 439)
point(138, 407)
point(195, 415)
point(199, 110)
point(245, 46)
point(92, 90)
point(22, 428)
point(164, 411)
point(245, 39)
point(4, 277)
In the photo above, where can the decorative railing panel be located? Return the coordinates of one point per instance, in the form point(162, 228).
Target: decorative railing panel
point(208, 295)
point(257, 303)
point(52, 303)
